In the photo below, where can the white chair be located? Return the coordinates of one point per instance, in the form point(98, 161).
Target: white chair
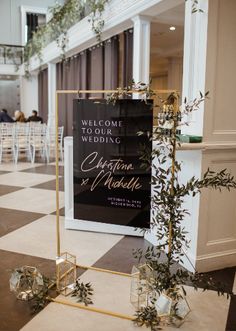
point(7, 140)
point(51, 141)
point(22, 140)
point(38, 140)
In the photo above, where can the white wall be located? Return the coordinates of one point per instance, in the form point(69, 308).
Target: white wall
point(10, 95)
point(220, 114)
point(10, 18)
point(217, 216)
point(29, 94)
point(175, 73)
point(217, 219)
point(159, 83)
point(209, 64)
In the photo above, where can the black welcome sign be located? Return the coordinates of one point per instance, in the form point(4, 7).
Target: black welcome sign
point(109, 184)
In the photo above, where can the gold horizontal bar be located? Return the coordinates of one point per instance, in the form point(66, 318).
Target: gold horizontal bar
point(52, 285)
point(109, 91)
point(93, 309)
point(104, 270)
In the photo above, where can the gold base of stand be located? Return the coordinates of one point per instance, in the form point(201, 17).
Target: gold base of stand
point(93, 309)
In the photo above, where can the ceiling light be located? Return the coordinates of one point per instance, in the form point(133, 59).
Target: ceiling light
point(172, 28)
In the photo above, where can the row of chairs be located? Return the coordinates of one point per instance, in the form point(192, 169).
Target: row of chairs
point(29, 138)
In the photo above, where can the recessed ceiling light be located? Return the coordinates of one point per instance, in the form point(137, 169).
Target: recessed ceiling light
point(172, 28)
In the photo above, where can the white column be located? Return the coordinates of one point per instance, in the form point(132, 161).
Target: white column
point(68, 175)
point(51, 93)
point(141, 49)
point(29, 94)
point(194, 64)
point(175, 73)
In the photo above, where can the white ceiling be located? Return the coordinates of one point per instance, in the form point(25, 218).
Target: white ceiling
point(166, 44)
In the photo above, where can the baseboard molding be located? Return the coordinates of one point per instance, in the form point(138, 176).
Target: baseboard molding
point(215, 261)
point(210, 262)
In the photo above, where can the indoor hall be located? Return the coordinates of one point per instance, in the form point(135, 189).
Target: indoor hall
point(82, 91)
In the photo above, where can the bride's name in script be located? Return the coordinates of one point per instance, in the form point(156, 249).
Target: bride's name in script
point(106, 174)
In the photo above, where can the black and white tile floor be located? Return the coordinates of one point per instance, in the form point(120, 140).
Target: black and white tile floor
point(27, 237)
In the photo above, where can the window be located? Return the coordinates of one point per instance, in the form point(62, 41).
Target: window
point(31, 19)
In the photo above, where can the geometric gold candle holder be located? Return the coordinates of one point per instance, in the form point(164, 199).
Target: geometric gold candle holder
point(182, 309)
point(163, 305)
point(26, 282)
point(141, 285)
point(171, 311)
point(66, 273)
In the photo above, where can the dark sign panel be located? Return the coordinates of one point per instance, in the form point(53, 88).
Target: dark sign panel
point(109, 184)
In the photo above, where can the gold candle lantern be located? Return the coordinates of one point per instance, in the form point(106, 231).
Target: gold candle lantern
point(141, 285)
point(26, 282)
point(172, 311)
point(66, 273)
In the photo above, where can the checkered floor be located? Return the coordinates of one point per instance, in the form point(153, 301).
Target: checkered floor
point(27, 237)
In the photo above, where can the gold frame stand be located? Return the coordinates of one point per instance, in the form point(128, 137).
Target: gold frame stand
point(58, 238)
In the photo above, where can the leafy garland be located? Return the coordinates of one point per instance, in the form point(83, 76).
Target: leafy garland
point(168, 212)
point(97, 8)
point(63, 17)
point(11, 53)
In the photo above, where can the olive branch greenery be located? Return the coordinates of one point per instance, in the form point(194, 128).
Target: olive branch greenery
point(83, 292)
point(41, 298)
point(167, 211)
point(148, 317)
point(144, 91)
point(195, 7)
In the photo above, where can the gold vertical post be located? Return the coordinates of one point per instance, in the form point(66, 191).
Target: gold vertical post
point(57, 179)
point(175, 123)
